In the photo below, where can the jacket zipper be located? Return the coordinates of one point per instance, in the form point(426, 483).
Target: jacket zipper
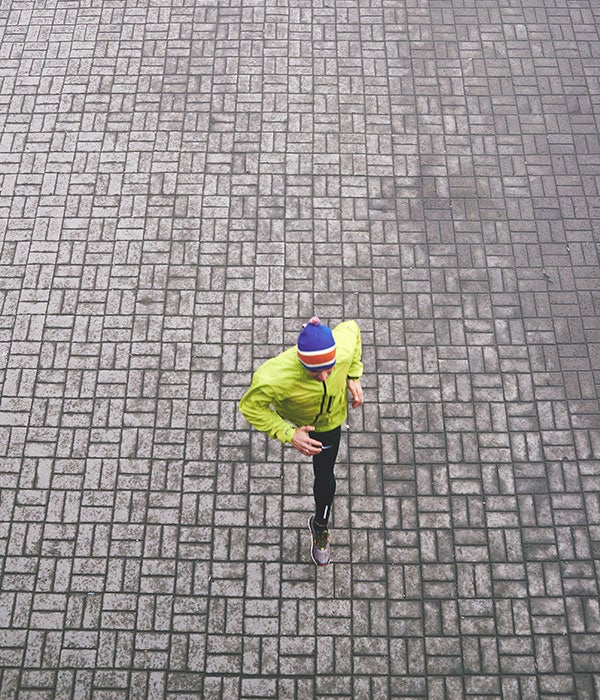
point(322, 408)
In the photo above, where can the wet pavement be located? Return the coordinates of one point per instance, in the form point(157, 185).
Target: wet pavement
point(183, 184)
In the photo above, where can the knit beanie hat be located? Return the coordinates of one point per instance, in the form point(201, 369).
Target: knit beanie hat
point(316, 346)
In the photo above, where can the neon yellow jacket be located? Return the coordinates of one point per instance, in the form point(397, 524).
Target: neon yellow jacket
point(283, 396)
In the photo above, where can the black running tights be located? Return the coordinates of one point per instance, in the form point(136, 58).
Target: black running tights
point(323, 466)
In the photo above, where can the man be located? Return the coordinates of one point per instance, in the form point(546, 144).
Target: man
point(299, 397)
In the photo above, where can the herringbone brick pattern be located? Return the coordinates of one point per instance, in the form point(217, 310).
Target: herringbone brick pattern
point(182, 184)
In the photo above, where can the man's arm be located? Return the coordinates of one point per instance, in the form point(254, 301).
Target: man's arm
point(355, 371)
point(356, 392)
point(256, 407)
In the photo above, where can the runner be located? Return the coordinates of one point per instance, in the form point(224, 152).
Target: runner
point(300, 398)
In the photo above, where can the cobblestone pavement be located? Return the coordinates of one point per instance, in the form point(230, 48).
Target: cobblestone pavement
point(183, 183)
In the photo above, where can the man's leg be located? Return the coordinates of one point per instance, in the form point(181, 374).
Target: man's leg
point(323, 467)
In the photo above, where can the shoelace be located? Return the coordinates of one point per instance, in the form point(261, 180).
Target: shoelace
point(322, 539)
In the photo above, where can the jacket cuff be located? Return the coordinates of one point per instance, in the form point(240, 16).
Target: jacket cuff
point(287, 434)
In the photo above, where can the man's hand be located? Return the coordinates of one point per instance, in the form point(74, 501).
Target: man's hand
point(303, 442)
point(356, 392)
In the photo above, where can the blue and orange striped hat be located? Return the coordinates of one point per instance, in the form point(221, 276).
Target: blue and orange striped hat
point(316, 346)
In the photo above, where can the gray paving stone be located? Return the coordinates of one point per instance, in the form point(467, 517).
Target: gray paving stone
point(181, 186)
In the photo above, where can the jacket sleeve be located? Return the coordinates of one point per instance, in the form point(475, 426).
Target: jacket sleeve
point(256, 407)
point(355, 371)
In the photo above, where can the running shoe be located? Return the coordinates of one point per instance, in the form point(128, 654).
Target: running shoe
point(319, 550)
